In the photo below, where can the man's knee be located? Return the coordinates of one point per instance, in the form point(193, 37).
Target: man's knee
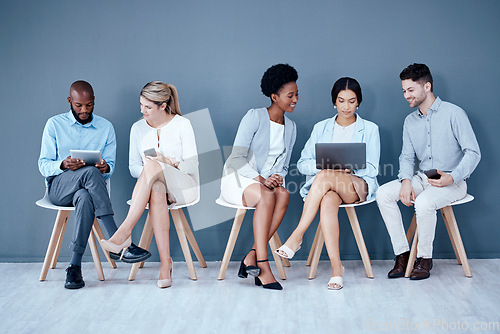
point(386, 193)
point(424, 205)
point(82, 198)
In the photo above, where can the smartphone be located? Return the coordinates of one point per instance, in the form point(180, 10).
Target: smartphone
point(150, 152)
point(432, 174)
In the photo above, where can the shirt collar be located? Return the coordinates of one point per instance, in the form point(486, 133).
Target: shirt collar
point(73, 121)
point(434, 107)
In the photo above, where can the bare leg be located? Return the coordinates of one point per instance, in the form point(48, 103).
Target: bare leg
point(151, 173)
point(159, 218)
point(330, 228)
point(325, 181)
point(282, 197)
point(264, 201)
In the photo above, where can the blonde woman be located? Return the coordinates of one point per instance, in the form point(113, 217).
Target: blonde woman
point(163, 157)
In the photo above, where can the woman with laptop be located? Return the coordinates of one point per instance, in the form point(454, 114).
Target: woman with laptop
point(164, 158)
point(327, 189)
point(254, 174)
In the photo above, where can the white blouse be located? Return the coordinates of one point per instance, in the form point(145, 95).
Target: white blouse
point(175, 139)
point(343, 134)
point(276, 148)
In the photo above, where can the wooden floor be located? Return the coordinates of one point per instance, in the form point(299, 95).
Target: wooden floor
point(447, 302)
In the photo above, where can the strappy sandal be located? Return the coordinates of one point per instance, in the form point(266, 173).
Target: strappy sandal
point(272, 286)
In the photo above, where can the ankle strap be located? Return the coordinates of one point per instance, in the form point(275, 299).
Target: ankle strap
point(253, 249)
point(266, 260)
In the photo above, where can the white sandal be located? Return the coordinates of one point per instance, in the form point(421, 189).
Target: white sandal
point(288, 252)
point(336, 282)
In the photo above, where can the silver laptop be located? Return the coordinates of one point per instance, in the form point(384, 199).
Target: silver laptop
point(341, 155)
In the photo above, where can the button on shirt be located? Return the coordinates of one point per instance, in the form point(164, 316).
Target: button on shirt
point(63, 133)
point(443, 140)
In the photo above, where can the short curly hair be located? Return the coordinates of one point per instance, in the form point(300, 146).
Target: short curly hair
point(419, 73)
point(276, 77)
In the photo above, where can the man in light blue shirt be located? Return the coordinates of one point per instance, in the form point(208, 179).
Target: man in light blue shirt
point(439, 134)
point(71, 182)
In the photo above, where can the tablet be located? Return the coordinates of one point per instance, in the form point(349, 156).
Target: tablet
point(341, 155)
point(90, 157)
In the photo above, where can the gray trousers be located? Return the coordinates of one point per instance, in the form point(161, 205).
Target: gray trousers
point(85, 189)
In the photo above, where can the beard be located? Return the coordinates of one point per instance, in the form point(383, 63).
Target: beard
point(82, 121)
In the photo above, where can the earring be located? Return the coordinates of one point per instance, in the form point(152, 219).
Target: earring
point(357, 108)
point(334, 107)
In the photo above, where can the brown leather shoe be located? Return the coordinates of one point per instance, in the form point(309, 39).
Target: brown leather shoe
point(421, 269)
point(401, 261)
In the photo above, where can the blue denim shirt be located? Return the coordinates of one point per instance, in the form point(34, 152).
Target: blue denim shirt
point(63, 133)
point(364, 132)
point(443, 140)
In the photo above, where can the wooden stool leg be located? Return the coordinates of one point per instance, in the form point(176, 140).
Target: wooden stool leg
point(181, 233)
point(285, 261)
point(353, 219)
point(95, 255)
point(59, 241)
point(413, 253)
point(446, 223)
point(411, 229)
point(320, 240)
point(145, 242)
point(99, 235)
point(273, 243)
point(453, 228)
point(192, 240)
point(313, 246)
point(61, 219)
point(235, 229)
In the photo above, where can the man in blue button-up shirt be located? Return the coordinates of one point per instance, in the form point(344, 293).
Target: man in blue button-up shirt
point(439, 134)
point(71, 182)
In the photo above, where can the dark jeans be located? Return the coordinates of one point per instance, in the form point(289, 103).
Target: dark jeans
point(85, 189)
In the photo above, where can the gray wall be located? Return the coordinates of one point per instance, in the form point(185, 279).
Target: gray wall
point(215, 53)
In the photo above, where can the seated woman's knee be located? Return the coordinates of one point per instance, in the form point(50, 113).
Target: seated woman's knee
point(267, 196)
point(282, 193)
point(331, 200)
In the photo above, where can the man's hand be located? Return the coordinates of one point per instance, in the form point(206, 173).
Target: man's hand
point(103, 166)
point(72, 164)
point(406, 194)
point(445, 180)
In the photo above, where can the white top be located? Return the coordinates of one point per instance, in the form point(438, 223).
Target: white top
point(343, 134)
point(276, 148)
point(175, 139)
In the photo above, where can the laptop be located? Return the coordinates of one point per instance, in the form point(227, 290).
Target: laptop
point(341, 155)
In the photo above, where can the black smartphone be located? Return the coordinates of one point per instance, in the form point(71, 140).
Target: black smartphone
point(432, 174)
point(150, 152)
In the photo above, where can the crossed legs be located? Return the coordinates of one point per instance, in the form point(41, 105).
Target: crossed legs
point(270, 207)
point(329, 190)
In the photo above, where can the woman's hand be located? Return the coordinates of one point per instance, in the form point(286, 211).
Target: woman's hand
point(167, 160)
point(272, 181)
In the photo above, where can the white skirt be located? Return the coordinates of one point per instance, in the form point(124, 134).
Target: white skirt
point(232, 186)
point(181, 186)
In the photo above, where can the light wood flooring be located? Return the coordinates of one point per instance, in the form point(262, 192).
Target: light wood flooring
point(447, 302)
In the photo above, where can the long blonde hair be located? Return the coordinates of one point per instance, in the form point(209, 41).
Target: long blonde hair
point(159, 93)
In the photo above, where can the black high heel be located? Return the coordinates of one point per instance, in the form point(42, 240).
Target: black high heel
point(245, 270)
point(272, 286)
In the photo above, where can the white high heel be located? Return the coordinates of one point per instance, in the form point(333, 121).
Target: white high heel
point(336, 282)
point(166, 282)
point(111, 247)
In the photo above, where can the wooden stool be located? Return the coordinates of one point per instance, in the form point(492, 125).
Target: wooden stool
point(451, 226)
point(274, 243)
point(57, 236)
point(184, 233)
point(319, 240)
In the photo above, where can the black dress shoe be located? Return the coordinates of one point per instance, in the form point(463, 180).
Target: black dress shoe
point(132, 254)
point(401, 261)
point(74, 279)
point(421, 269)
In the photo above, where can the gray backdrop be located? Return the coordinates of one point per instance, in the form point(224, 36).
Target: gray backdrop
point(215, 52)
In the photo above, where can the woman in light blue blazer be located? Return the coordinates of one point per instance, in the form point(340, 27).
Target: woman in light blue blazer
point(254, 173)
point(328, 189)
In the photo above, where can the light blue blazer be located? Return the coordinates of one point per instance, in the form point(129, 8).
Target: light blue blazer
point(251, 145)
point(364, 132)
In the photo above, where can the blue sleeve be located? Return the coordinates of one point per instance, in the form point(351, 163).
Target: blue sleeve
point(48, 163)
